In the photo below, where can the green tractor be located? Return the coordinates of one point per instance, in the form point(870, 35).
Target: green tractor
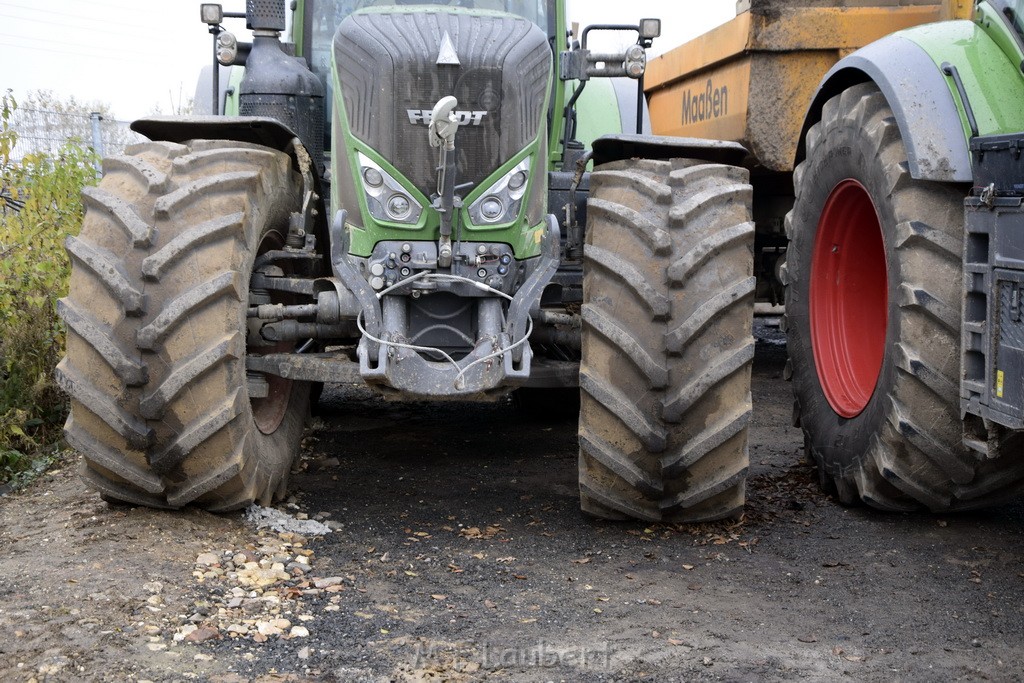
point(405, 200)
point(904, 300)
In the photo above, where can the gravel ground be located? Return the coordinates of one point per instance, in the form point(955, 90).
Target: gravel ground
point(454, 550)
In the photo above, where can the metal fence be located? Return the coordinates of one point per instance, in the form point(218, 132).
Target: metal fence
point(42, 130)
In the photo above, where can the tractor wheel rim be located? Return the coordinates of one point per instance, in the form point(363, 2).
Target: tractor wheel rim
point(849, 299)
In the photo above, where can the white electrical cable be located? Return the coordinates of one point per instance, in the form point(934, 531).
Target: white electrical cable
point(500, 352)
point(427, 275)
point(478, 285)
point(399, 345)
point(459, 378)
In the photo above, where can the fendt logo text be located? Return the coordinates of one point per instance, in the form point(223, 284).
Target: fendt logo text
point(465, 118)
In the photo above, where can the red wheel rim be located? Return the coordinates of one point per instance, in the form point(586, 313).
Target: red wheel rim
point(849, 299)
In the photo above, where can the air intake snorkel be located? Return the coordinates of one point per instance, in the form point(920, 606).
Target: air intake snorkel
point(278, 85)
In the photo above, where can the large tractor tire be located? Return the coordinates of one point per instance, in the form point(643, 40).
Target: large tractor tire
point(873, 301)
point(668, 294)
point(156, 319)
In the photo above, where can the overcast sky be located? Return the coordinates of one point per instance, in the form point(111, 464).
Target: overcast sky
point(138, 55)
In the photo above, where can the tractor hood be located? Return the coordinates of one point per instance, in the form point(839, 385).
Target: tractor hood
point(393, 66)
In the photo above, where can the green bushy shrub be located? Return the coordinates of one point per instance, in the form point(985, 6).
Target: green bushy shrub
point(40, 205)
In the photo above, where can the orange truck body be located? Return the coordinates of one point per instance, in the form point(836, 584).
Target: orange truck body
point(752, 79)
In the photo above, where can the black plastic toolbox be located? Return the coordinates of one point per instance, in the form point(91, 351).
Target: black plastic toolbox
point(998, 161)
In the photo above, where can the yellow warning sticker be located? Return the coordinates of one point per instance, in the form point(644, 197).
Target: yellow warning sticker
point(999, 383)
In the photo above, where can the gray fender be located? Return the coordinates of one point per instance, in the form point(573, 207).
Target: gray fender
point(921, 101)
point(252, 129)
point(257, 130)
point(608, 148)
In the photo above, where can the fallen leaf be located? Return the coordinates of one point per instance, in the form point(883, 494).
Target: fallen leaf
point(603, 599)
point(597, 610)
point(409, 573)
point(422, 534)
point(438, 596)
point(688, 567)
point(673, 641)
point(521, 577)
point(582, 560)
point(475, 532)
point(490, 604)
point(527, 621)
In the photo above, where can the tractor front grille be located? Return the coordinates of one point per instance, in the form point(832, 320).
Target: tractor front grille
point(390, 80)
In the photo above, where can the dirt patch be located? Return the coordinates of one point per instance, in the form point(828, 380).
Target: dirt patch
point(458, 553)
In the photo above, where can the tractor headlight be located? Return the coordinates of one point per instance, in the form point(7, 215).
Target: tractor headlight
point(636, 61)
point(650, 29)
point(385, 196)
point(227, 49)
point(399, 207)
point(502, 200)
point(211, 13)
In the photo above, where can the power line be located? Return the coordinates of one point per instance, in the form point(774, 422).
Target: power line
point(66, 43)
point(133, 5)
point(78, 17)
point(51, 22)
point(61, 52)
